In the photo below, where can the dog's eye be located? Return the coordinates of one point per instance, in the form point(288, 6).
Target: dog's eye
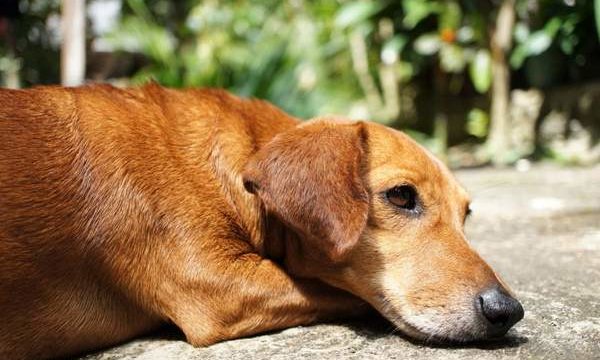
point(404, 197)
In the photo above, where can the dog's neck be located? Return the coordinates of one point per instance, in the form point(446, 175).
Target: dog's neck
point(275, 236)
point(280, 243)
point(287, 247)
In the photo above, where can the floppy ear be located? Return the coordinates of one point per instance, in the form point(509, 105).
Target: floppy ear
point(311, 178)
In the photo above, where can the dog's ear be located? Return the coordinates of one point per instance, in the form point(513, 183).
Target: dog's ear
point(311, 177)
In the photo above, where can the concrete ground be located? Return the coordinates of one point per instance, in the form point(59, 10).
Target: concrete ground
point(540, 229)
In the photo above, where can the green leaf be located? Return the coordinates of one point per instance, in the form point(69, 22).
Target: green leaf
point(480, 70)
point(477, 123)
point(450, 16)
point(518, 56)
point(535, 43)
point(465, 34)
point(521, 32)
point(140, 9)
point(392, 48)
point(416, 11)
point(538, 42)
point(567, 44)
point(452, 58)
point(552, 26)
point(152, 40)
point(597, 16)
point(428, 44)
point(356, 12)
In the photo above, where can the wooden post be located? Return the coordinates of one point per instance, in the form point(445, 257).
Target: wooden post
point(72, 56)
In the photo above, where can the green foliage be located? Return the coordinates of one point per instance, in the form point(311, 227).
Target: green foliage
point(301, 56)
point(458, 38)
point(417, 10)
point(480, 70)
point(31, 47)
point(477, 123)
point(597, 16)
point(291, 54)
point(553, 42)
point(534, 43)
point(354, 13)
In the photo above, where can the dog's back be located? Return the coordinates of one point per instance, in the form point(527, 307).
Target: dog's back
point(86, 175)
point(52, 300)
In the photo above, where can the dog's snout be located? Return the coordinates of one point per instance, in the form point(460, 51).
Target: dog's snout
point(500, 310)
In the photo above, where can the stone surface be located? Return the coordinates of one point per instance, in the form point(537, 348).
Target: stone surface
point(540, 229)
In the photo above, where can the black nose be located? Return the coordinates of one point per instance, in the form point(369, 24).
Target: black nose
point(500, 310)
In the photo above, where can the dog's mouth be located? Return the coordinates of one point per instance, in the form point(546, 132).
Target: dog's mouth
point(451, 318)
point(459, 333)
point(421, 336)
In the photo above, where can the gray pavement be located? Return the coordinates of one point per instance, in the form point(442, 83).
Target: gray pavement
point(539, 229)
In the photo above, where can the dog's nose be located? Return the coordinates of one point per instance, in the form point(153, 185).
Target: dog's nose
point(500, 310)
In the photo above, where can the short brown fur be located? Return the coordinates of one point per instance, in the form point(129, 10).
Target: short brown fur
point(123, 209)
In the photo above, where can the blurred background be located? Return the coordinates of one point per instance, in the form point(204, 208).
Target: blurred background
point(479, 82)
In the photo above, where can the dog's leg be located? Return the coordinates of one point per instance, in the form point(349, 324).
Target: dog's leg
point(253, 295)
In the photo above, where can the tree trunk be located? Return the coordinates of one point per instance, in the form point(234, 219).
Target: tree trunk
point(498, 143)
point(72, 57)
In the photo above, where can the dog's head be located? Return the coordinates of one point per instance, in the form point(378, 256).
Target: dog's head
point(379, 216)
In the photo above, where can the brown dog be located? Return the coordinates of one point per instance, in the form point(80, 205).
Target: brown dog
point(122, 209)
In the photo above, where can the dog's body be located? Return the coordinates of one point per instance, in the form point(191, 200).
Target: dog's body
point(122, 209)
